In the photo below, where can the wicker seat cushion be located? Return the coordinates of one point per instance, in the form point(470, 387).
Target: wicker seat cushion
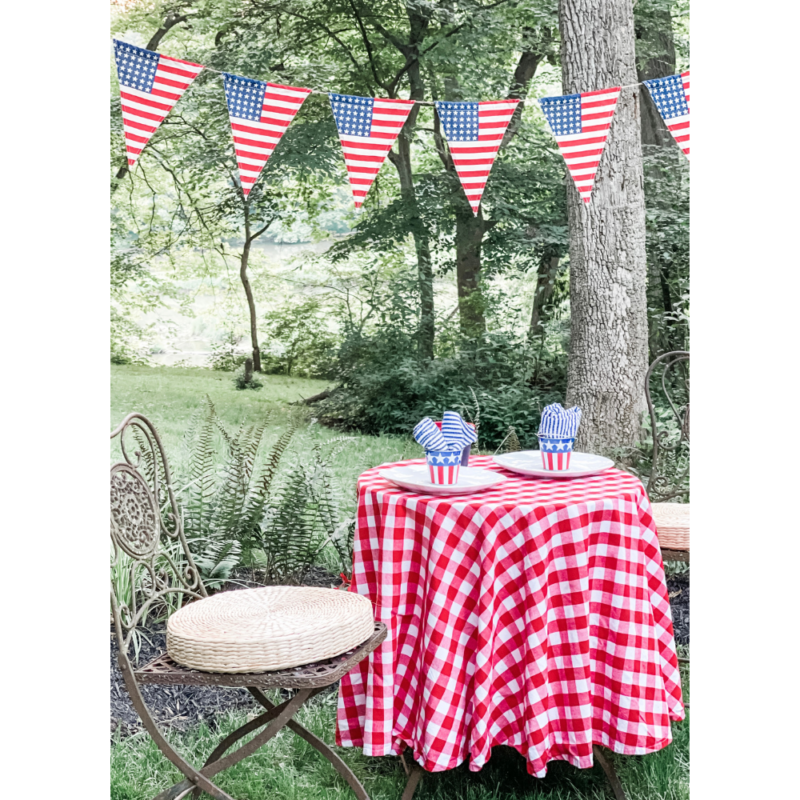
point(271, 628)
point(672, 525)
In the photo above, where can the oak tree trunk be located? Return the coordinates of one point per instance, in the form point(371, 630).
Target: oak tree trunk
point(545, 283)
point(469, 236)
point(608, 349)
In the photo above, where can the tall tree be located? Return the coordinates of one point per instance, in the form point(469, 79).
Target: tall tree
point(608, 347)
point(655, 58)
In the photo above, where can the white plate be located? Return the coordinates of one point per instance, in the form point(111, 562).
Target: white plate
point(416, 478)
point(529, 462)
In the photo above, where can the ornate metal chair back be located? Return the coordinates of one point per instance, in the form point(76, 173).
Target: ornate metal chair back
point(152, 569)
point(667, 382)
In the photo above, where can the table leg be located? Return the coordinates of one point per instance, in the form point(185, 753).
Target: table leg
point(611, 773)
point(415, 776)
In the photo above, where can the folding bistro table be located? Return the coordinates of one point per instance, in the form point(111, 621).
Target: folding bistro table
point(533, 615)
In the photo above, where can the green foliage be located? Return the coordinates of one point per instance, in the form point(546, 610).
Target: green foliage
point(245, 379)
point(384, 387)
point(303, 517)
point(299, 339)
point(223, 506)
point(224, 356)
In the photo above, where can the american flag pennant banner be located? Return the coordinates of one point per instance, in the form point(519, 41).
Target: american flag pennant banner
point(149, 85)
point(671, 96)
point(368, 127)
point(474, 133)
point(580, 123)
point(260, 113)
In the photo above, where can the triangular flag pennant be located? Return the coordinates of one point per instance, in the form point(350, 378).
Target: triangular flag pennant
point(580, 123)
point(260, 114)
point(671, 96)
point(474, 133)
point(368, 127)
point(149, 84)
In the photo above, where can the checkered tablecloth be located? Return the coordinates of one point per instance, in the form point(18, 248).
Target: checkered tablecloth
point(533, 615)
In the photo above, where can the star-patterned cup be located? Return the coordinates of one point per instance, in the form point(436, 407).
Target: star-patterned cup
point(555, 451)
point(443, 466)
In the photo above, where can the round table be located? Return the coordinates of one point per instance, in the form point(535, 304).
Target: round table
point(533, 615)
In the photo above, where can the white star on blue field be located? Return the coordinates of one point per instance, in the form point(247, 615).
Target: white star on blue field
point(353, 114)
point(563, 113)
point(669, 97)
point(245, 96)
point(136, 67)
point(460, 121)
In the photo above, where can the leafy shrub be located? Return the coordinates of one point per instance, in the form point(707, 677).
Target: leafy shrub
point(224, 356)
point(245, 379)
point(300, 342)
point(385, 388)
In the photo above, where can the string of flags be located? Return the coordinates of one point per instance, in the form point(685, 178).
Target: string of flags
point(260, 113)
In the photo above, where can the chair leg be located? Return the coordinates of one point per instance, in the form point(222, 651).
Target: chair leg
point(317, 743)
point(611, 773)
point(286, 712)
point(193, 777)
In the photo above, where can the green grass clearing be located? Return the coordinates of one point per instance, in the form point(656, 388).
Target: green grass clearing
point(287, 768)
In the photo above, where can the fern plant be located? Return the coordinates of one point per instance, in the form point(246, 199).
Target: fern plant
point(303, 518)
point(224, 505)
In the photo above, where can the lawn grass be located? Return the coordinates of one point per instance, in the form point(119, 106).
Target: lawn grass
point(287, 767)
point(169, 396)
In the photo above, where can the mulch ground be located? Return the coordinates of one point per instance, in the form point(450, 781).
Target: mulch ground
point(178, 707)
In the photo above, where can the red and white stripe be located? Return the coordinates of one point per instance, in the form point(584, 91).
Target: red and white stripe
point(364, 155)
point(555, 461)
point(255, 142)
point(473, 159)
point(444, 476)
point(679, 126)
point(582, 151)
point(143, 112)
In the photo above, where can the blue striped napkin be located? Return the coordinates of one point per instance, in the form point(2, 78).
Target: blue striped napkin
point(560, 421)
point(454, 435)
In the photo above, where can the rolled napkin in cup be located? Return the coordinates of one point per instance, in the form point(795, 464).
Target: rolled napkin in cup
point(557, 432)
point(443, 448)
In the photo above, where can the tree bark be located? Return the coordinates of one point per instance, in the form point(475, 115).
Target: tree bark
point(471, 229)
point(248, 290)
point(469, 237)
point(608, 349)
point(545, 283)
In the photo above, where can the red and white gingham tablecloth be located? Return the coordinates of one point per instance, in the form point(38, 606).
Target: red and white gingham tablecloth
point(533, 615)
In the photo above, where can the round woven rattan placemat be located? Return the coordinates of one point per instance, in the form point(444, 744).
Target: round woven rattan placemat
point(672, 525)
point(271, 628)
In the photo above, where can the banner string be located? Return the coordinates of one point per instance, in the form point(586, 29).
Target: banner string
point(417, 102)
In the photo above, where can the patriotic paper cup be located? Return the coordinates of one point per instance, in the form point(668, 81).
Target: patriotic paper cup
point(556, 451)
point(467, 450)
point(443, 466)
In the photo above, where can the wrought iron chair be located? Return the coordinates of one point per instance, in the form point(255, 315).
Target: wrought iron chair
point(147, 532)
point(670, 372)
